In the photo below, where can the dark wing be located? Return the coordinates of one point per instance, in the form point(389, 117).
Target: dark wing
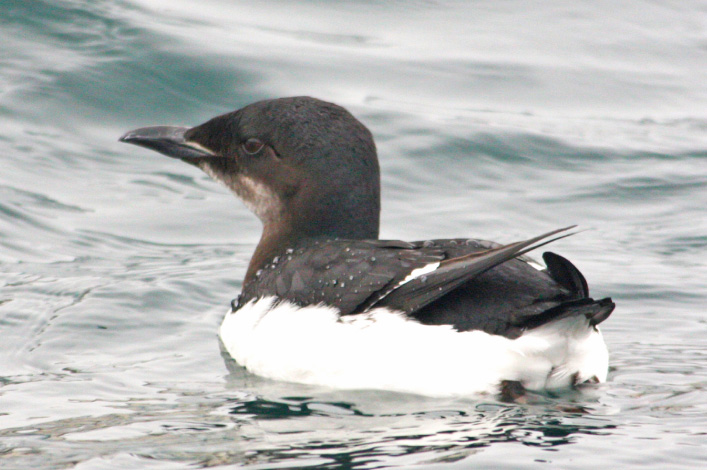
point(340, 273)
point(454, 272)
point(514, 296)
point(469, 284)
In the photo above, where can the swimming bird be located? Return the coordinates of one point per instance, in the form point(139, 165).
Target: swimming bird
point(325, 301)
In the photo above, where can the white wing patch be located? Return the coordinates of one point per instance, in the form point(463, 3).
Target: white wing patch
point(415, 273)
point(533, 262)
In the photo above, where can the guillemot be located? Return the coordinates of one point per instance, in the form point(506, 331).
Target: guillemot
point(324, 301)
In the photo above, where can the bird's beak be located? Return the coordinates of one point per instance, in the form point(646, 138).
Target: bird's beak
point(170, 141)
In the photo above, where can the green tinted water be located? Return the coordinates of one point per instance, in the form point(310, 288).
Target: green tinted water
point(493, 119)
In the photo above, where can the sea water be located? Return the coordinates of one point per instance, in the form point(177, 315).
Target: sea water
point(493, 119)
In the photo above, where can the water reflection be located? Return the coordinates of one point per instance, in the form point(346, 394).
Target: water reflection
point(113, 264)
point(209, 429)
point(323, 428)
point(444, 434)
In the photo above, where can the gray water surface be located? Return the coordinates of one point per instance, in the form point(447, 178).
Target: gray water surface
point(497, 120)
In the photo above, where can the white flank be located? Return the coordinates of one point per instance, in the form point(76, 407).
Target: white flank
point(384, 350)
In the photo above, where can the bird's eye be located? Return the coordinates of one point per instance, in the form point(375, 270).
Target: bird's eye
point(252, 146)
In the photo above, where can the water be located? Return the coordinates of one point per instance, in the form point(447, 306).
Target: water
point(499, 120)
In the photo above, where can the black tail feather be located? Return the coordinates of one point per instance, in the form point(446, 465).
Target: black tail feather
point(606, 306)
point(596, 311)
point(566, 274)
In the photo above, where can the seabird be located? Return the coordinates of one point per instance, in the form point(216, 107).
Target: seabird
point(325, 301)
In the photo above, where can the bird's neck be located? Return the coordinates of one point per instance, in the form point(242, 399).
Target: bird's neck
point(307, 224)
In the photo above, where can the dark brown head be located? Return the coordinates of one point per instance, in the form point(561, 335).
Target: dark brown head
point(305, 167)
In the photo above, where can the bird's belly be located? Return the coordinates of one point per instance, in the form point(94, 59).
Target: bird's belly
point(386, 350)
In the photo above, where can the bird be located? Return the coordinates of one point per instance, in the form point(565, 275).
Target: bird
point(326, 302)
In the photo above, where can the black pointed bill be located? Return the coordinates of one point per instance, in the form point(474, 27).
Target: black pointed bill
point(168, 140)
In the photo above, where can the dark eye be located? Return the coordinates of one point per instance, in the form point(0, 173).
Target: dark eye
point(252, 146)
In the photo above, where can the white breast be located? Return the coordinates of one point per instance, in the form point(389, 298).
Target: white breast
point(385, 350)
